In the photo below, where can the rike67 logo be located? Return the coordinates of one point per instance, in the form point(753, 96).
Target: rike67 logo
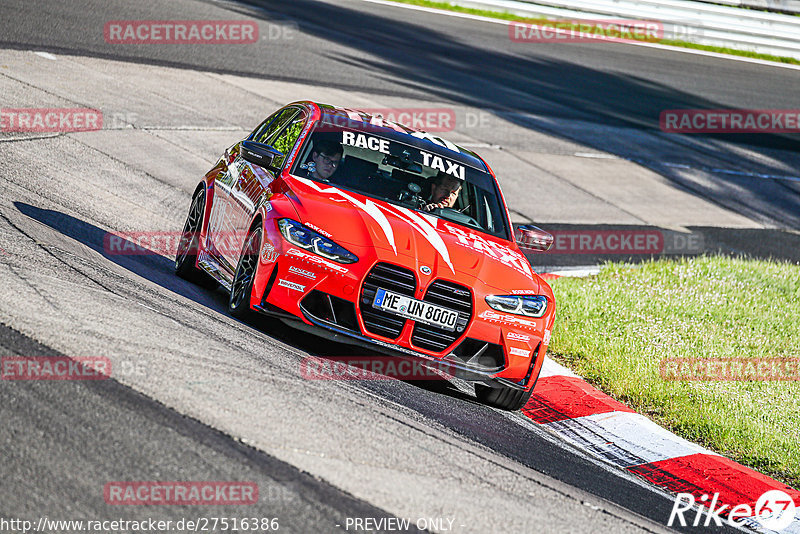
point(774, 511)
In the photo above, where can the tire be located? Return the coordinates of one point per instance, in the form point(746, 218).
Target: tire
point(186, 257)
point(502, 397)
point(242, 286)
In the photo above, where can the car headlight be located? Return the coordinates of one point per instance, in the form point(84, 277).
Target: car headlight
point(307, 239)
point(528, 305)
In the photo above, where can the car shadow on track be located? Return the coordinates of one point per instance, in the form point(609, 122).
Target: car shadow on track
point(159, 270)
point(140, 261)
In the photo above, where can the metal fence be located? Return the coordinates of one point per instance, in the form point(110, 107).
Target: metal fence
point(779, 6)
point(687, 20)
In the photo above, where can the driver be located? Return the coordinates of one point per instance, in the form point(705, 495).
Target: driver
point(325, 160)
point(444, 192)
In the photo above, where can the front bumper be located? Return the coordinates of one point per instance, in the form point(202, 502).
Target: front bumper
point(448, 364)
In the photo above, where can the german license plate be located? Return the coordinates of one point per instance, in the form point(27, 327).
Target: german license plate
point(417, 310)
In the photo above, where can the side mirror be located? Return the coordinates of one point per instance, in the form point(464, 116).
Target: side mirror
point(259, 154)
point(533, 238)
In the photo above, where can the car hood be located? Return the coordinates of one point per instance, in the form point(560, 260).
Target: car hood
point(417, 240)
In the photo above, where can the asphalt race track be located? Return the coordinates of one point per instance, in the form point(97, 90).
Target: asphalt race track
point(572, 132)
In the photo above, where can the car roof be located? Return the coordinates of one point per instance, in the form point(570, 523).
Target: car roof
point(360, 120)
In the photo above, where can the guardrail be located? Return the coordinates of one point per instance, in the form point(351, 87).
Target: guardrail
point(780, 6)
point(685, 20)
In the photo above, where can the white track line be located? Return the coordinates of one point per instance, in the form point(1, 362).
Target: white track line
point(46, 55)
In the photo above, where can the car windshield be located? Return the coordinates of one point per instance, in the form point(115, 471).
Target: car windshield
point(426, 180)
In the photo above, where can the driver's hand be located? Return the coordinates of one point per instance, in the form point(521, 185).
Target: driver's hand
point(433, 205)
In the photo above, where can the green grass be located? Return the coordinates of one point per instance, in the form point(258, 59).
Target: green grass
point(615, 328)
point(534, 20)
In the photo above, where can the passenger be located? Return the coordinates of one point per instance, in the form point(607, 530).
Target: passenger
point(444, 192)
point(325, 158)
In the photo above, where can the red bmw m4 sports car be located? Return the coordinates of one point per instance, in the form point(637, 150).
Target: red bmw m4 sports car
point(368, 232)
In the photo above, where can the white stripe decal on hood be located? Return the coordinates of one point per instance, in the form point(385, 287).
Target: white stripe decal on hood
point(369, 207)
point(424, 224)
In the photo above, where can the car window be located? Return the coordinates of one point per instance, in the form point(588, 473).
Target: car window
point(286, 138)
point(404, 175)
point(273, 125)
point(258, 131)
